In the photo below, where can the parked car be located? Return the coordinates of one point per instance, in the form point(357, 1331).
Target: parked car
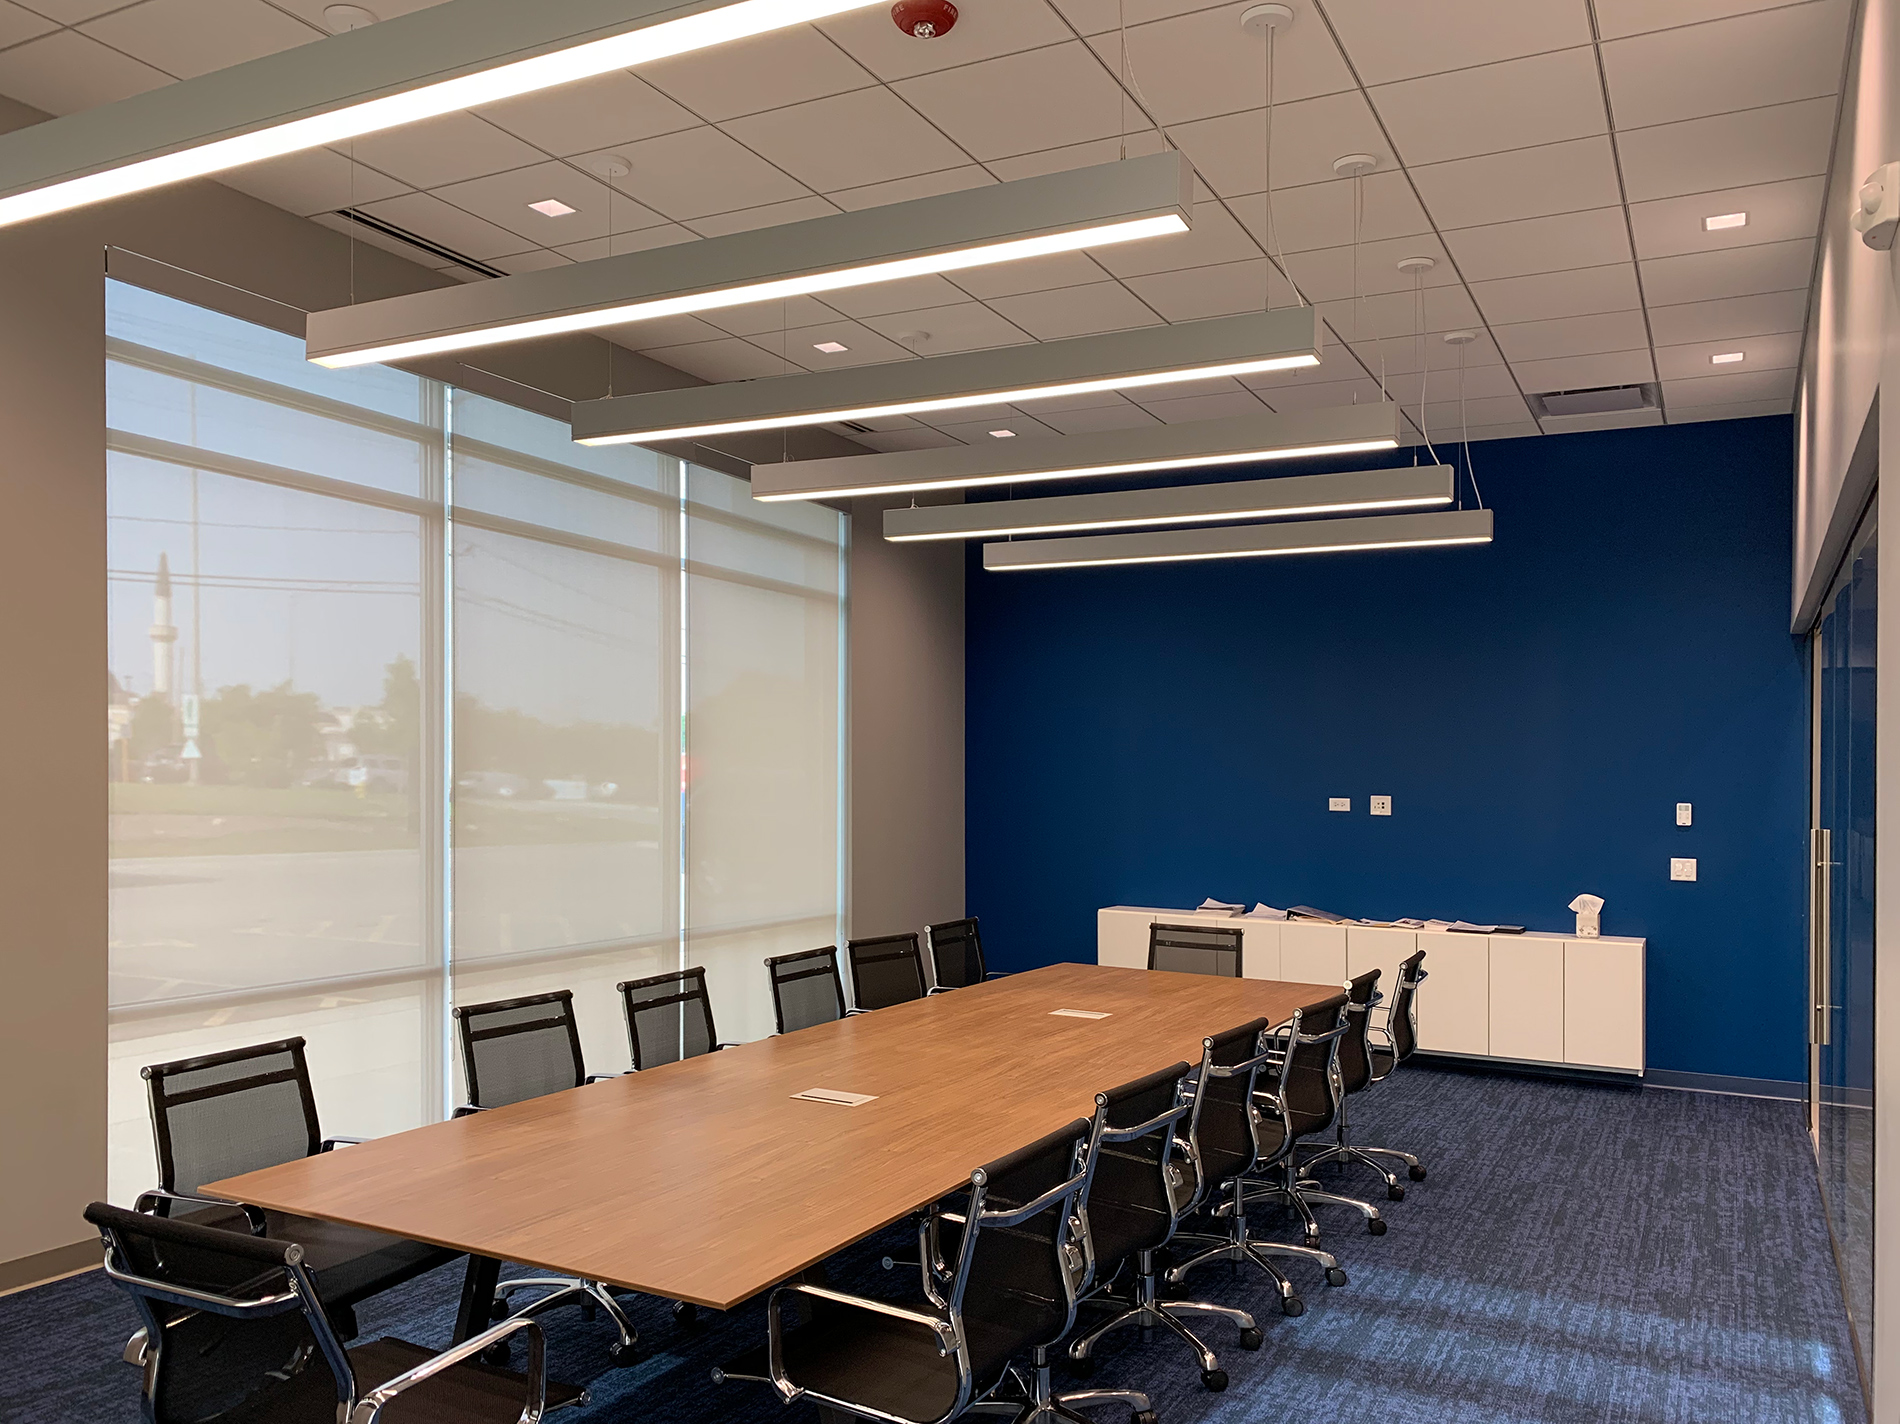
point(501, 785)
point(382, 774)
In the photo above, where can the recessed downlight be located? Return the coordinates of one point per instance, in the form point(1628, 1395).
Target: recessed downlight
point(1723, 221)
point(830, 348)
point(551, 208)
point(1002, 435)
point(1727, 358)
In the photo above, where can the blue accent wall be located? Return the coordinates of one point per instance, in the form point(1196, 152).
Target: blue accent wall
point(1535, 708)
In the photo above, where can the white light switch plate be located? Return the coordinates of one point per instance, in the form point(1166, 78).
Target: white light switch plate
point(1339, 803)
point(1381, 805)
point(1685, 814)
point(1681, 868)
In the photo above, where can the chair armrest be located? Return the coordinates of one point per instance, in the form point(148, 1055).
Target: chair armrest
point(940, 989)
point(330, 1144)
point(853, 1013)
point(469, 1110)
point(947, 1341)
point(369, 1409)
point(593, 1078)
point(253, 1215)
point(996, 974)
point(717, 1046)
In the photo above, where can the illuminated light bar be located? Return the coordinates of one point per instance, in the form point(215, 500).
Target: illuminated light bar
point(1238, 440)
point(449, 57)
point(1247, 541)
point(1114, 361)
point(1408, 487)
point(949, 232)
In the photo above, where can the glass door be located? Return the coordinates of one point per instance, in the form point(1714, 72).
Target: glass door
point(1842, 926)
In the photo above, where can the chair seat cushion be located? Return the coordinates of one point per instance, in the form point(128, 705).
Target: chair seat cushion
point(350, 1264)
point(467, 1393)
point(893, 1366)
point(1383, 1061)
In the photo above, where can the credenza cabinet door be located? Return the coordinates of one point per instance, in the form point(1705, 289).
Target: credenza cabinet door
point(1259, 948)
point(1312, 953)
point(1527, 998)
point(1121, 936)
point(1454, 1002)
point(1381, 949)
point(1603, 1003)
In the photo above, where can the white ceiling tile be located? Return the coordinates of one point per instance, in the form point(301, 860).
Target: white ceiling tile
point(428, 216)
point(1440, 384)
point(1447, 308)
point(984, 30)
point(590, 114)
point(1076, 311)
point(1196, 65)
point(920, 437)
point(883, 298)
point(769, 71)
point(65, 72)
point(1582, 373)
point(1513, 430)
point(902, 190)
point(1215, 238)
point(17, 24)
point(1776, 211)
point(647, 238)
point(1585, 291)
point(1727, 151)
point(1734, 272)
point(1524, 183)
point(1320, 214)
point(443, 150)
point(71, 12)
point(1323, 396)
point(1728, 390)
point(1552, 244)
point(1730, 318)
point(729, 359)
point(314, 181)
point(503, 198)
point(965, 326)
point(1746, 410)
point(697, 172)
point(1446, 421)
point(770, 215)
point(1121, 416)
point(1078, 155)
point(1547, 98)
point(1092, 17)
point(756, 317)
point(863, 346)
point(1404, 358)
point(867, 136)
point(1616, 18)
point(1769, 57)
point(537, 260)
point(1572, 336)
point(1021, 103)
point(1397, 39)
point(192, 37)
point(1777, 352)
point(1225, 290)
point(1327, 274)
point(1230, 151)
point(312, 10)
point(1185, 409)
point(977, 432)
point(1034, 274)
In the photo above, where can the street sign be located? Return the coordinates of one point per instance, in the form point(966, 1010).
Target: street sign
point(188, 714)
point(191, 752)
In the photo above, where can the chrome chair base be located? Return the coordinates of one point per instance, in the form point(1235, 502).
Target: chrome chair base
point(1302, 1195)
point(589, 1295)
point(1240, 1246)
point(1145, 1309)
point(1038, 1403)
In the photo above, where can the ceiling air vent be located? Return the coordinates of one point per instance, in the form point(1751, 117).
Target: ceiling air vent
point(359, 218)
point(1598, 407)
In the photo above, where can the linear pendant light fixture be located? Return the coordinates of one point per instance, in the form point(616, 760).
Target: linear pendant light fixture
point(1117, 360)
point(1237, 440)
point(1247, 541)
point(949, 232)
point(1355, 491)
point(435, 61)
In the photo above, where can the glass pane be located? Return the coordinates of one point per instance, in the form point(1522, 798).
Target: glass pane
point(763, 624)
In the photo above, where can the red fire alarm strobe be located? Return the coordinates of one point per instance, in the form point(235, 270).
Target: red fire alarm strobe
point(924, 19)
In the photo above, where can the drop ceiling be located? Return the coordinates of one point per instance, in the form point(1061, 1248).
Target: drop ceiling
point(1556, 158)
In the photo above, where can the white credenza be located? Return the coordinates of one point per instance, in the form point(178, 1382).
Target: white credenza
point(1529, 998)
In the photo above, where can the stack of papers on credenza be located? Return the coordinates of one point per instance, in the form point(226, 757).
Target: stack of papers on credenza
point(1211, 906)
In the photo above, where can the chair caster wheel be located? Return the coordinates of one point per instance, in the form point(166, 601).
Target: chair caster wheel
point(1312, 1241)
point(1394, 1192)
point(498, 1312)
point(685, 1313)
point(1174, 1290)
point(496, 1354)
point(620, 1356)
point(1253, 1337)
point(1376, 1226)
point(1079, 1369)
point(1335, 1276)
point(1146, 1416)
point(1292, 1305)
point(1215, 1380)
point(1417, 1174)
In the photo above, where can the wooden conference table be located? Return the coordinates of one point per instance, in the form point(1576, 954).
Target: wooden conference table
point(707, 1181)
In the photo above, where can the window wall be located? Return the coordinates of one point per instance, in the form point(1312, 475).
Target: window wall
point(413, 701)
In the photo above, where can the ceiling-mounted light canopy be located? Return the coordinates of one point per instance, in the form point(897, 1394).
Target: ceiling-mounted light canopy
point(1236, 440)
point(434, 61)
point(1355, 491)
point(948, 232)
point(1247, 541)
point(1116, 360)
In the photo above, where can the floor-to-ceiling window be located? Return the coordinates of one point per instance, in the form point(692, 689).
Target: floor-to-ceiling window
point(413, 701)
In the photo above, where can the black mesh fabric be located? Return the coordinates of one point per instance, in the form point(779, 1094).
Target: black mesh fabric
point(230, 1113)
point(1223, 1125)
point(885, 971)
point(1195, 949)
point(1307, 1083)
point(518, 1049)
point(1129, 1206)
point(1403, 1040)
point(669, 1017)
point(805, 989)
point(956, 954)
point(1355, 1068)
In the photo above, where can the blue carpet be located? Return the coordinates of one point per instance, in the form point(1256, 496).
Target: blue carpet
point(1578, 1253)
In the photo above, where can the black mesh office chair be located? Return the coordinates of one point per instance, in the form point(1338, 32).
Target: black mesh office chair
point(1138, 1192)
point(1355, 1076)
point(806, 989)
point(956, 955)
point(1228, 1139)
point(224, 1114)
point(514, 1050)
point(669, 1018)
point(241, 1334)
point(1195, 949)
point(886, 970)
point(1395, 1041)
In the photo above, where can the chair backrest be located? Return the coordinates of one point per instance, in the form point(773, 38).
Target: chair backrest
point(669, 1017)
point(806, 989)
point(516, 1049)
point(956, 953)
point(1355, 1062)
point(1308, 1067)
point(1137, 1191)
point(251, 1328)
point(886, 970)
point(1221, 1120)
point(1195, 949)
point(225, 1114)
point(1402, 1021)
